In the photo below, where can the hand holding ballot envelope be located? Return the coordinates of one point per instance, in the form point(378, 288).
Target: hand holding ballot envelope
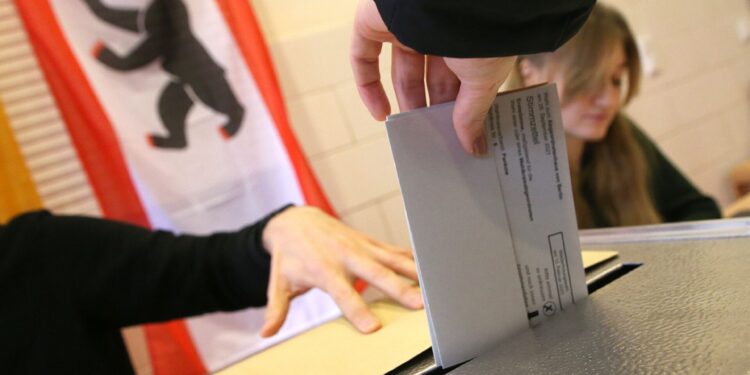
point(495, 238)
point(471, 82)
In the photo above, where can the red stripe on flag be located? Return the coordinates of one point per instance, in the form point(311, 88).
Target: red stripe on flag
point(170, 346)
point(87, 123)
point(172, 349)
point(240, 17)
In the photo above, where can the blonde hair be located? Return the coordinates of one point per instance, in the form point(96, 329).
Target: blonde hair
point(615, 171)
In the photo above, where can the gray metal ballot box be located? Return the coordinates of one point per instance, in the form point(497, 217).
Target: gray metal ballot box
point(675, 300)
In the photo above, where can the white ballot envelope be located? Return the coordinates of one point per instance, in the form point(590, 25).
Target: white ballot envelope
point(495, 238)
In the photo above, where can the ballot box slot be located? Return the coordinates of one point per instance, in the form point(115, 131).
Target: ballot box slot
point(609, 275)
point(421, 364)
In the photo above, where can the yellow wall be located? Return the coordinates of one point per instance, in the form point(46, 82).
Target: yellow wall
point(17, 190)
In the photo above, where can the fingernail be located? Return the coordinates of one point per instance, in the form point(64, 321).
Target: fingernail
point(415, 299)
point(369, 324)
point(264, 332)
point(480, 146)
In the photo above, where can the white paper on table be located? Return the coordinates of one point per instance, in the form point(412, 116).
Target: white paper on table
point(495, 238)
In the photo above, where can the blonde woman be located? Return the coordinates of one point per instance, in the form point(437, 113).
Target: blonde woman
point(619, 175)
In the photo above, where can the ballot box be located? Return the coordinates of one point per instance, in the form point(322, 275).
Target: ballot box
point(676, 299)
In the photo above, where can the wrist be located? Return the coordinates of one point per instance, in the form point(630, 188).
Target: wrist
point(271, 227)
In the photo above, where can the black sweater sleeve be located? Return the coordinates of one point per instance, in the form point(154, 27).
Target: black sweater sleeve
point(675, 197)
point(484, 28)
point(122, 275)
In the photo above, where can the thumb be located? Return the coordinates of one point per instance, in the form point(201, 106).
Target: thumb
point(472, 104)
point(278, 304)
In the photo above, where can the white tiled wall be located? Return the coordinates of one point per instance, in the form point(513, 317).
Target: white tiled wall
point(697, 107)
point(346, 147)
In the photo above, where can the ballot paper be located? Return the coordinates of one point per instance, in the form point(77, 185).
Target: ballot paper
point(495, 238)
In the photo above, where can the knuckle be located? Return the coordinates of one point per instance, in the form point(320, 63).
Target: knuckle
point(408, 83)
point(441, 87)
point(402, 264)
point(465, 125)
point(378, 272)
point(315, 271)
point(342, 293)
point(318, 270)
point(404, 290)
point(346, 246)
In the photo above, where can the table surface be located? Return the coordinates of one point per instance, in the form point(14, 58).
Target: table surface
point(337, 348)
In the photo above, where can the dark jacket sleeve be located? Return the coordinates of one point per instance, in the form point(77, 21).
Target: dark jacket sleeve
point(675, 196)
point(122, 275)
point(484, 28)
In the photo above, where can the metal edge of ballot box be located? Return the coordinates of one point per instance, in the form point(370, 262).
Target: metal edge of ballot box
point(675, 300)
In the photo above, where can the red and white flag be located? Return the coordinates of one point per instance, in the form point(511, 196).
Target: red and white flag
point(175, 112)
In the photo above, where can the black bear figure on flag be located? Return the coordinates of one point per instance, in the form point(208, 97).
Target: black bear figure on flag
point(168, 37)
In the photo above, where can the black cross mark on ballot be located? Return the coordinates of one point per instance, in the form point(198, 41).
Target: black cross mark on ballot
point(549, 308)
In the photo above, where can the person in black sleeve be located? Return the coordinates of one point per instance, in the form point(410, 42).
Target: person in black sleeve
point(68, 284)
point(456, 49)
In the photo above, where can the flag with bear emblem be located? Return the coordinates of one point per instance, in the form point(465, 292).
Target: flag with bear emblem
point(177, 118)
